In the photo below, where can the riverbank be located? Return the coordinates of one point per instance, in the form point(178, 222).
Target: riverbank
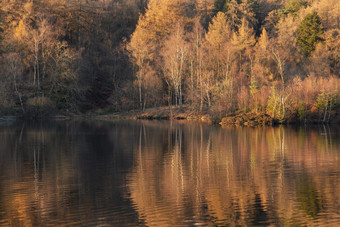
point(248, 119)
point(157, 113)
point(240, 118)
point(261, 118)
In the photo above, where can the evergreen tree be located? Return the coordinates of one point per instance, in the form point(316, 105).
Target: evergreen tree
point(309, 33)
point(220, 6)
point(293, 7)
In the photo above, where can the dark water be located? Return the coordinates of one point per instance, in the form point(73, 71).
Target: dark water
point(168, 174)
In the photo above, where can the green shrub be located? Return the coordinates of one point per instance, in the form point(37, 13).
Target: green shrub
point(274, 105)
point(301, 111)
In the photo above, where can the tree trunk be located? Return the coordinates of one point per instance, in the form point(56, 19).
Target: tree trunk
point(208, 97)
point(140, 93)
point(144, 104)
point(18, 93)
point(36, 58)
point(192, 76)
point(169, 102)
point(176, 97)
point(180, 96)
point(324, 117)
point(283, 106)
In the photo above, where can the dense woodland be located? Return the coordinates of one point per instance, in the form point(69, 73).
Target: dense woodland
point(280, 57)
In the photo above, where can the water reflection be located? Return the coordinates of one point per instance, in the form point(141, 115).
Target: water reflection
point(243, 176)
point(167, 174)
point(64, 174)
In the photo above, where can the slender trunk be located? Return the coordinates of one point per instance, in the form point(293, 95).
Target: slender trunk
point(144, 104)
point(18, 93)
point(36, 58)
point(180, 76)
point(283, 106)
point(140, 93)
point(274, 109)
point(201, 87)
point(329, 112)
point(281, 65)
point(38, 74)
point(169, 102)
point(180, 95)
point(227, 67)
point(35, 74)
point(325, 114)
point(201, 104)
point(208, 97)
point(192, 76)
point(240, 65)
point(218, 68)
point(79, 28)
point(251, 71)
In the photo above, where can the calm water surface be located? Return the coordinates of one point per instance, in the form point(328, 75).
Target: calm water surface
point(167, 174)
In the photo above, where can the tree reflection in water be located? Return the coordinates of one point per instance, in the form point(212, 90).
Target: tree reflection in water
point(236, 176)
point(163, 173)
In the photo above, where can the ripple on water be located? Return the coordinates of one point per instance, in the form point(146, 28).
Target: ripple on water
point(167, 174)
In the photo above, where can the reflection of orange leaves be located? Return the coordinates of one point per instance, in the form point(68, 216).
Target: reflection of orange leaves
point(232, 172)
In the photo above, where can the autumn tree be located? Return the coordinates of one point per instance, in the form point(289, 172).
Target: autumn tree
point(142, 48)
point(35, 37)
point(325, 58)
point(226, 55)
point(218, 35)
point(195, 64)
point(175, 55)
point(151, 31)
point(14, 69)
point(244, 10)
point(245, 36)
point(204, 9)
point(263, 68)
point(218, 52)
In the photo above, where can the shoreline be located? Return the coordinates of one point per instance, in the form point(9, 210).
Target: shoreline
point(249, 119)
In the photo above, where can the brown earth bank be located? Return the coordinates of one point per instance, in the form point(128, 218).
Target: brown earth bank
point(249, 119)
point(238, 118)
point(159, 113)
point(263, 118)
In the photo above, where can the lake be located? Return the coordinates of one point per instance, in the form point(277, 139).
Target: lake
point(167, 173)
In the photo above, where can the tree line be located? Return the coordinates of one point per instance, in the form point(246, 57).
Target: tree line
point(64, 56)
point(217, 56)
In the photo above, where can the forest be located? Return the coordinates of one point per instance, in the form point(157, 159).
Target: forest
point(221, 57)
